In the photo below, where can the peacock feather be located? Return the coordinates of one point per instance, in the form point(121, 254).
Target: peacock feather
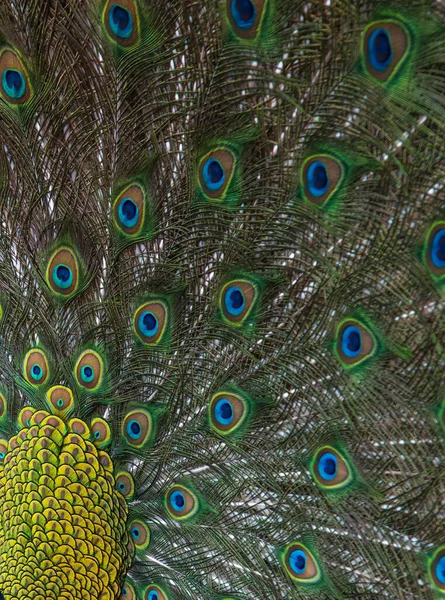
point(222, 278)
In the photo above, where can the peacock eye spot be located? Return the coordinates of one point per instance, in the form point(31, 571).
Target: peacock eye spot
point(121, 21)
point(380, 49)
point(37, 371)
point(234, 301)
point(351, 341)
point(148, 324)
point(121, 486)
point(128, 212)
point(97, 435)
point(243, 13)
point(318, 179)
point(177, 500)
point(213, 174)
point(124, 591)
point(87, 373)
point(14, 83)
point(63, 276)
point(149, 321)
point(224, 412)
point(134, 429)
point(440, 570)
point(298, 561)
point(135, 532)
point(2, 456)
point(438, 249)
point(63, 273)
point(328, 466)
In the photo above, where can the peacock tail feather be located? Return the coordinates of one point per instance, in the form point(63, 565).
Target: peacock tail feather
point(222, 293)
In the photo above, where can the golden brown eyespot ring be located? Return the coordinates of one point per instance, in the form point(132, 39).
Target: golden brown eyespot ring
point(355, 343)
point(121, 21)
point(3, 449)
point(181, 502)
point(140, 534)
point(101, 432)
point(330, 468)
point(237, 300)
point(227, 412)
point(245, 17)
point(137, 427)
point(385, 45)
point(435, 249)
point(125, 484)
point(14, 81)
point(437, 569)
point(128, 210)
point(60, 399)
point(154, 592)
point(128, 591)
point(62, 273)
point(150, 321)
point(321, 177)
point(89, 370)
point(35, 367)
point(300, 563)
point(215, 173)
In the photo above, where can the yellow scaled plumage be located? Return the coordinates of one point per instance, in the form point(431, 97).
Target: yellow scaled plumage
point(63, 527)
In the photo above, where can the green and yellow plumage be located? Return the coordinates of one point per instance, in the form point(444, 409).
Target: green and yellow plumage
point(222, 267)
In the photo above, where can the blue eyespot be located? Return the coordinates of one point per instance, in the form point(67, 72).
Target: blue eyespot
point(438, 249)
point(440, 570)
point(134, 429)
point(63, 276)
point(135, 533)
point(327, 466)
point(148, 324)
point(380, 49)
point(121, 486)
point(2, 456)
point(234, 301)
point(96, 435)
point(37, 372)
point(224, 411)
point(243, 13)
point(124, 591)
point(153, 595)
point(121, 21)
point(213, 174)
point(317, 178)
point(128, 212)
point(87, 373)
point(351, 342)
point(297, 561)
point(177, 500)
point(13, 83)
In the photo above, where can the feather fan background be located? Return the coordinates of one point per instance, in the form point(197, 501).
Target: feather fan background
point(223, 232)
